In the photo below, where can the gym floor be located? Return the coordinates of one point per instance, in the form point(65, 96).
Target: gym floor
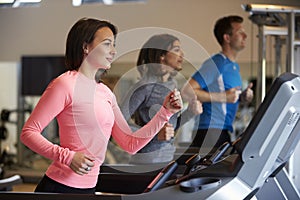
point(30, 175)
point(24, 187)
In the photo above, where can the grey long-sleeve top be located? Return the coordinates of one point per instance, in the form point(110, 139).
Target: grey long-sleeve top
point(141, 103)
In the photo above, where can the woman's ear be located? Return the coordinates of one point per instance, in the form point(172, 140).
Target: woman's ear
point(85, 48)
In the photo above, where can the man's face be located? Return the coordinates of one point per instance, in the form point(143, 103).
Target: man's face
point(238, 37)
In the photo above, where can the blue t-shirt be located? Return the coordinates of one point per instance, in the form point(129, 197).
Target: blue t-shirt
point(218, 74)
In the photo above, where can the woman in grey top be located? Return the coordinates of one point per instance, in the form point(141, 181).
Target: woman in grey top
point(159, 60)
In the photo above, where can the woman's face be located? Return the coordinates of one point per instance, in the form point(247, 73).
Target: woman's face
point(174, 57)
point(101, 51)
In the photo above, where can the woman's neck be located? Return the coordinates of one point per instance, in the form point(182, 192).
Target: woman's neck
point(165, 77)
point(87, 71)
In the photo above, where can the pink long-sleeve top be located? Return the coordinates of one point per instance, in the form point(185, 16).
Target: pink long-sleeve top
point(88, 114)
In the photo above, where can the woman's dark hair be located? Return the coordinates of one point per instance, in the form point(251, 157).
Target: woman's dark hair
point(223, 26)
point(152, 51)
point(82, 32)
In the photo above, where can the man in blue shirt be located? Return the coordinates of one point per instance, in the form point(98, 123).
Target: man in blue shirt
point(218, 84)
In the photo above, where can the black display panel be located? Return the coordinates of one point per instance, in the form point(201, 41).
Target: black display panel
point(38, 72)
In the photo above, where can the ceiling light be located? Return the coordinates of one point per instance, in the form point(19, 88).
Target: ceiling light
point(108, 2)
point(29, 1)
point(19, 3)
point(6, 1)
point(76, 2)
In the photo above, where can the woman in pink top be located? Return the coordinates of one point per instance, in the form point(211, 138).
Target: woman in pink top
point(87, 113)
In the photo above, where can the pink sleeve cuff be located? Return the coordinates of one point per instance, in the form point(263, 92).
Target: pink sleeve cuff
point(70, 158)
point(166, 113)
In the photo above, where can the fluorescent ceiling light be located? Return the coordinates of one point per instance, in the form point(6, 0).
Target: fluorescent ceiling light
point(18, 3)
point(76, 2)
point(105, 2)
point(29, 1)
point(6, 1)
point(108, 2)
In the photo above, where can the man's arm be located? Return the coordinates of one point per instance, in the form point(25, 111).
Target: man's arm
point(247, 95)
point(192, 88)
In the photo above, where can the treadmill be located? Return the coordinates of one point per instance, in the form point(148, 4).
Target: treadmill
point(252, 168)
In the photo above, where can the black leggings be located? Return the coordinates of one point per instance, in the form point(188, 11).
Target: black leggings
point(198, 140)
point(50, 186)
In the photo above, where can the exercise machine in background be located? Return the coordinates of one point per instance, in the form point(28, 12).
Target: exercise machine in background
point(6, 183)
point(281, 24)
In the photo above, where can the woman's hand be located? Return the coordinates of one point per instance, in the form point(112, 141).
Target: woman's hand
point(166, 133)
point(195, 106)
point(173, 101)
point(81, 163)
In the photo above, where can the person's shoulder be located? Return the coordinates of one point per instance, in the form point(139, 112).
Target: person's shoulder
point(107, 92)
point(218, 57)
point(65, 78)
point(105, 88)
point(215, 59)
point(144, 84)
